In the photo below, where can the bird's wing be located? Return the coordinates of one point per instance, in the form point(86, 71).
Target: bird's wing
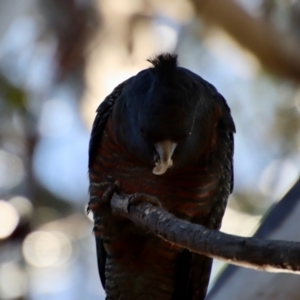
point(103, 112)
point(227, 129)
point(199, 266)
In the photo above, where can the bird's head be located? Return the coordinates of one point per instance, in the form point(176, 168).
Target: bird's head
point(164, 114)
point(166, 121)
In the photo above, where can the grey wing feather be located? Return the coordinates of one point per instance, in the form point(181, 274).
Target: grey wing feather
point(103, 112)
point(201, 265)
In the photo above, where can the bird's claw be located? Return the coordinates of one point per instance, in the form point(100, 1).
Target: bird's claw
point(103, 193)
point(138, 198)
point(111, 189)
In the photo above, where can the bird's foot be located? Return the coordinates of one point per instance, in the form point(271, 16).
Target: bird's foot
point(138, 198)
point(101, 194)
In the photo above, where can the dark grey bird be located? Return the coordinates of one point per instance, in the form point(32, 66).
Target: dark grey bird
point(165, 132)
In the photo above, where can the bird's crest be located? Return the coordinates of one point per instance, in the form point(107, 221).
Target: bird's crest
point(164, 63)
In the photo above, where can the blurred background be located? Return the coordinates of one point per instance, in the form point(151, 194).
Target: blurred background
point(58, 61)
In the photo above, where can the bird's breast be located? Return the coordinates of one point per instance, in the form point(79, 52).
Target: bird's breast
point(137, 260)
point(186, 192)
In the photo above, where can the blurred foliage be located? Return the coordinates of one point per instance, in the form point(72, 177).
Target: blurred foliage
point(12, 94)
point(59, 59)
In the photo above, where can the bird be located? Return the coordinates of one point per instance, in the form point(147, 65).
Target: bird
point(168, 133)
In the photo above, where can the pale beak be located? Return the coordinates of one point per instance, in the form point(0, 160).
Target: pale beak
point(165, 151)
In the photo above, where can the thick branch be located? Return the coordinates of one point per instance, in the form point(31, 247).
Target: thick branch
point(275, 50)
point(272, 256)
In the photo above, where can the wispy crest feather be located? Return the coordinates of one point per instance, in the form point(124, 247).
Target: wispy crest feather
point(164, 63)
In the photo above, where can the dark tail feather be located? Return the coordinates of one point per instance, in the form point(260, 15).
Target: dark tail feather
point(192, 276)
point(200, 274)
point(101, 257)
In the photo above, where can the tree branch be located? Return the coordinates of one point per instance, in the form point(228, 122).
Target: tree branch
point(277, 51)
point(271, 256)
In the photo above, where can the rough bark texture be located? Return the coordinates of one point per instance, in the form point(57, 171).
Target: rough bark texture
point(281, 223)
point(272, 256)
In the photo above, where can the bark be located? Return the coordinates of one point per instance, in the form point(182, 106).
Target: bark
point(271, 256)
point(280, 223)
